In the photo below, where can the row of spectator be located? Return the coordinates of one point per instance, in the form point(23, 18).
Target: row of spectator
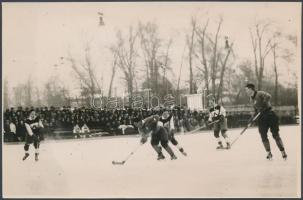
point(111, 121)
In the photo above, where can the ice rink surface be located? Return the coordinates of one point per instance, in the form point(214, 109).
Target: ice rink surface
point(83, 168)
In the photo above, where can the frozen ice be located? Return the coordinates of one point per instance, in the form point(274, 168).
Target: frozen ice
point(82, 168)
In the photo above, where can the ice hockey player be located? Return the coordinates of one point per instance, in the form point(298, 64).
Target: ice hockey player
point(158, 135)
point(167, 121)
point(33, 126)
point(267, 119)
point(218, 113)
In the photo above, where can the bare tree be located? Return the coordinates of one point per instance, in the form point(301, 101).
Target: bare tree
point(18, 95)
point(202, 57)
point(23, 93)
point(38, 101)
point(222, 73)
point(85, 72)
point(126, 55)
point(209, 55)
point(28, 92)
point(165, 65)
point(114, 66)
point(190, 39)
point(150, 44)
point(212, 57)
point(261, 48)
point(214, 63)
point(280, 52)
point(55, 94)
point(180, 71)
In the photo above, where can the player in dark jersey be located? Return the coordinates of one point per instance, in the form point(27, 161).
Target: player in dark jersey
point(33, 125)
point(218, 113)
point(158, 135)
point(168, 123)
point(268, 119)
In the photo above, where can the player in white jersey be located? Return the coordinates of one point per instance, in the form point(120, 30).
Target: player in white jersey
point(218, 113)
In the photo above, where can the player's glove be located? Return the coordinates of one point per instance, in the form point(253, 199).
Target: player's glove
point(30, 139)
point(264, 110)
point(35, 137)
point(221, 118)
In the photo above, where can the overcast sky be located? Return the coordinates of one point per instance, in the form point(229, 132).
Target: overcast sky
point(36, 35)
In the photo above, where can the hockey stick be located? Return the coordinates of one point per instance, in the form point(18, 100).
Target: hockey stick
point(248, 125)
point(129, 155)
point(203, 126)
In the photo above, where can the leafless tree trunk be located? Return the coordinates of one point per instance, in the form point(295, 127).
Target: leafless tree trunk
point(18, 95)
point(150, 44)
point(260, 53)
point(276, 74)
point(85, 73)
point(223, 67)
point(210, 57)
point(165, 66)
point(38, 97)
point(202, 57)
point(126, 55)
point(280, 53)
point(28, 92)
point(215, 59)
point(180, 71)
point(55, 94)
point(114, 65)
point(190, 43)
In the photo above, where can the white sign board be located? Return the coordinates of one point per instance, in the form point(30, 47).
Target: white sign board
point(195, 101)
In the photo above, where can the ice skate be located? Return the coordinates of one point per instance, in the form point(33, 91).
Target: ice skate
point(269, 156)
point(284, 155)
point(173, 157)
point(220, 146)
point(25, 156)
point(160, 156)
point(228, 146)
point(183, 152)
point(36, 157)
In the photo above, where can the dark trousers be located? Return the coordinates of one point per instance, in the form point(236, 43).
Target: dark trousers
point(160, 135)
point(35, 139)
point(269, 120)
point(171, 136)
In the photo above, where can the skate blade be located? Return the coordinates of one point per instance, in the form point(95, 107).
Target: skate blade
point(24, 158)
point(118, 162)
point(224, 148)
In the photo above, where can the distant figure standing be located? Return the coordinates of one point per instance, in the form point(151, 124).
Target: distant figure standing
point(267, 119)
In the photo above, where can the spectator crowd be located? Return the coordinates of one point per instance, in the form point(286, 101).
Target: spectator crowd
point(79, 121)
